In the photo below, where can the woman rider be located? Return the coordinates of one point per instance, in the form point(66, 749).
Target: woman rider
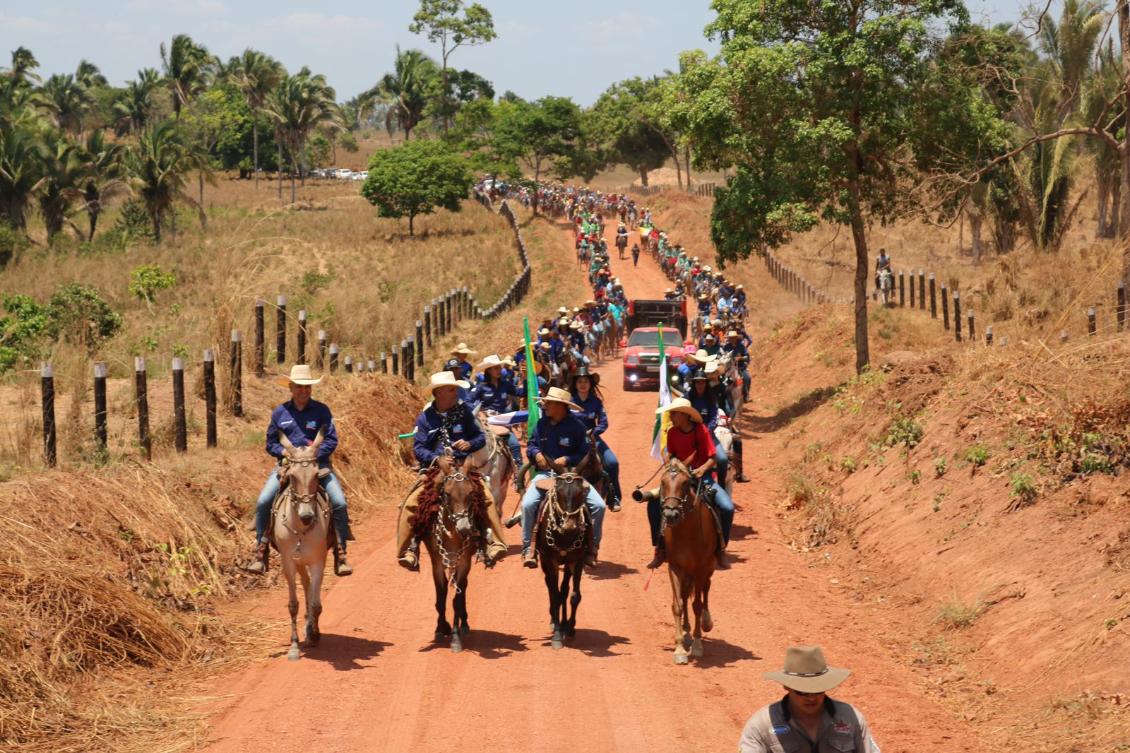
point(704, 401)
point(586, 394)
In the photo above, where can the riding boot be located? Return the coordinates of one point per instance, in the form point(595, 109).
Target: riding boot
point(258, 564)
point(659, 557)
point(341, 567)
point(736, 462)
point(723, 561)
point(410, 560)
point(530, 557)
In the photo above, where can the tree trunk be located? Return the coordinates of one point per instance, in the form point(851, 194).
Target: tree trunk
point(687, 158)
point(293, 186)
point(255, 147)
point(975, 220)
point(203, 217)
point(1115, 201)
point(862, 261)
point(1103, 197)
point(92, 217)
point(156, 217)
point(537, 182)
point(643, 177)
point(278, 166)
point(411, 225)
point(1123, 216)
point(678, 166)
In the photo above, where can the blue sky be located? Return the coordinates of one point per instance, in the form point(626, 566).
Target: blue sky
point(574, 48)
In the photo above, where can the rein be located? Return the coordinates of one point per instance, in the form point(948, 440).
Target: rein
point(555, 515)
point(440, 529)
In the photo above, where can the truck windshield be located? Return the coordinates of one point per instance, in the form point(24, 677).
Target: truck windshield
point(650, 339)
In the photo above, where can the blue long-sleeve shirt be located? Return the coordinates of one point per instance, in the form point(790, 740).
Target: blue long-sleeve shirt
point(300, 427)
point(465, 369)
point(494, 398)
point(593, 415)
point(706, 408)
point(565, 439)
point(430, 441)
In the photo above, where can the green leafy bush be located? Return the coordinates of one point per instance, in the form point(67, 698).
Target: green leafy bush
point(147, 279)
point(80, 315)
point(904, 431)
point(977, 455)
point(12, 242)
point(23, 327)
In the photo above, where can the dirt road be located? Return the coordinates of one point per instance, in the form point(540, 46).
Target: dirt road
point(378, 683)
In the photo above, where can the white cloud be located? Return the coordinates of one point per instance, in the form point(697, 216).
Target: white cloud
point(24, 23)
point(321, 22)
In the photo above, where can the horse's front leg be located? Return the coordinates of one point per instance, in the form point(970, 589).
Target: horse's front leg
point(292, 589)
point(679, 612)
point(313, 585)
point(696, 643)
point(549, 569)
point(459, 606)
point(575, 600)
point(439, 577)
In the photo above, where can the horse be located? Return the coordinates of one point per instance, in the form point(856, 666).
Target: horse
point(563, 536)
point(886, 286)
point(446, 524)
point(691, 536)
point(724, 436)
point(301, 531)
point(494, 461)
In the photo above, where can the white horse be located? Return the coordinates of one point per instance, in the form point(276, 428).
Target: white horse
point(887, 286)
point(301, 533)
point(494, 461)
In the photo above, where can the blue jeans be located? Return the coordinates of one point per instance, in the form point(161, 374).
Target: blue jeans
point(611, 466)
point(722, 503)
point(532, 498)
point(721, 460)
point(333, 491)
point(515, 450)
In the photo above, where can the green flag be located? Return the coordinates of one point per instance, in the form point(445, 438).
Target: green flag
point(532, 393)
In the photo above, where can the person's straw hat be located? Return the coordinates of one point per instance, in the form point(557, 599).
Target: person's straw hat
point(682, 405)
point(543, 332)
point(806, 671)
point(558, 395)
point(710, 368)
point(702, 357)
point(576, 325)
point(300, 373)
point(732, 333)
point(444, 379)
point(562, 310)
point(462, 350)
point(489, 362)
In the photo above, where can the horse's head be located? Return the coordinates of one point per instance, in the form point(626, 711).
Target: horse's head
point(302, 474)
point(461, 495)
point(676, 487)
point(569, 488)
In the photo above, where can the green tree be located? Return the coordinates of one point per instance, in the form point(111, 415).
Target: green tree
point(20, 174)
point(620, 122)
point(300, 104)
point(188, 70)
point(103, 176)
point(256, 75)
point(158, 168)
point(134, 108)
point(451, 25)
point(62, 171)
point(816, 104)
point(416, 178)
point(541, 135)
point(406, 89)
point(22, 69)
point(67, 101)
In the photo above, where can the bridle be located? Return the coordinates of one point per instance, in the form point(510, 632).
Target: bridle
point(441, 528)
point(294, 498)
point(556, 515)
point(687, 501)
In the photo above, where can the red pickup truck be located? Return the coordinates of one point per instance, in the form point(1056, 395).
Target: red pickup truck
point(641, 349)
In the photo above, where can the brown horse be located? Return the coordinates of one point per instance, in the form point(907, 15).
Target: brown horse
point(447, 514)
point(563, 537)
point(691, 536)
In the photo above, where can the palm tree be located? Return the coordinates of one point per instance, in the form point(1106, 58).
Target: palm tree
point(135, 106)
point(23, 67)
point(255, 75)
point(300, 104)
point(20, 174)
point(103, 176)
point(62, 173)
point(188, 67)
point(89, 75)
point(1070, 47)
point(66, 101)
point(407, 88)
point(158, 170)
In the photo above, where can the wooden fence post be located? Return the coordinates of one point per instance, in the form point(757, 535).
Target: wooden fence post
point(141, 392)
point(300, 355)
point(384, 362)
point(912, 296)
point(236, 374)
point(321, 349)
point(280, 329)
point(210, 395)
point(428, 324)
point(902, 289)
point(957, 316)
point(1092, 326)
point(395, 360)
point(1120, 307)
point(47, 390)
point(180, 423)
point(989, 336)
point(922, 289)
point(971, 331)
point(411, 358)
point(349, 364)
point(945, 308)
point(933, 298)
point(372, 366)
point(334, 351)
point(1063, 335)
point(419, 343)
point(100, 434)
point(260, 348)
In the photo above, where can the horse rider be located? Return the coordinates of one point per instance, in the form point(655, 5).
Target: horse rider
point(690, 441)
point(585, 389)
point(447, 433)
point(621, 239)
point(559, 441)
point(635, 254)
point(882, 261)
point(460, 353)
point(705, 401)
point(301, 419)
point(494, 395)
point(806, 718)
point(736, 348)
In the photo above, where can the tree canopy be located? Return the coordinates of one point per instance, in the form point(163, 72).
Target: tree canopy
point(416, 178)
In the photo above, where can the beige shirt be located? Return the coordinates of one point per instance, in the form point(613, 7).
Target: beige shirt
point(842, 730)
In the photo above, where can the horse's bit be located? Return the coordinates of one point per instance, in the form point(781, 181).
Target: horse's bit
point(555, 515)
point(439, 528)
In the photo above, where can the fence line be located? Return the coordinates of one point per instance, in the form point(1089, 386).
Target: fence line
point(438, 318)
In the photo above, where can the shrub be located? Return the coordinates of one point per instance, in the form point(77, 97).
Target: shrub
point(147, 279)
point(940, 467)
point(847, 464)
point(22, 328)
point(133, 222)
point(12, 242)
point(80, 315)
point(956, 614)
point(1023, 490)
point(977, 455)
point(904, 431)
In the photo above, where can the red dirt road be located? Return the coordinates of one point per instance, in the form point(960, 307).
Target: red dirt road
point(378, 683)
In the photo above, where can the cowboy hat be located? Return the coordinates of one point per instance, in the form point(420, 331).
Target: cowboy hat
point(489, 362)
point(444, 379)
point(806, 671)
point(557, 395)
point(699, 375)
point(543, 332)
point(732, 333)
point(462, 350)
point(562, 310)
point(702, 357)
point(583, 371)
point(300, 373)
point(682, 405)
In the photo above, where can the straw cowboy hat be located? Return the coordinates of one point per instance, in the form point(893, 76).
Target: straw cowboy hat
point(462, 350)
point(562, 310)
point(807, 672)
point(557, 395)
point(732, 333)
point(702, 357)
point(444, 379)
point(682, 405)
point(489, 362)
point(300, 373)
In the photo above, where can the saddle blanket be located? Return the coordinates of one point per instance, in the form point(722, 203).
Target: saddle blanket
point(509, 419)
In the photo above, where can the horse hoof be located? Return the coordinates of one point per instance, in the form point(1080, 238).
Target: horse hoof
point(682, 659)
point(696, 649)
point(439, 636)
point(456, 644)
point(293, 654)
point(464, 629)
point(557, 643)
point(707, 622)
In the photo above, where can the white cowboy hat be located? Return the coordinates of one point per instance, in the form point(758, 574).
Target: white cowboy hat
point(682, 405)
point(300, 373)
point(711, 367)
point(462, 350)
point(562, 310)
point(806, 671)
point(557, 395)
point(444, 379)
point(488, 362)
point(703, 357)
point(732, 333)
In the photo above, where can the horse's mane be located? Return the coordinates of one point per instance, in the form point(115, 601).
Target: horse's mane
point(431, 500)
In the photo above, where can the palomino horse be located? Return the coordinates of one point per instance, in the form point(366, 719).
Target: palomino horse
point(447, 513)
point(563, 536)
point(301, 532)
point(690, 533)
point(494, 461)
